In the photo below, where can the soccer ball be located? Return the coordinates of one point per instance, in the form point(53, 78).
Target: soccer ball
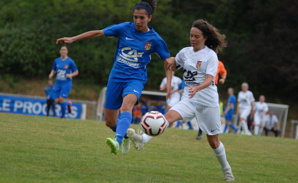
point(153, 123)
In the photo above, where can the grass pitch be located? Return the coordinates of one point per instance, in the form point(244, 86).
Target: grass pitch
point(45, 149)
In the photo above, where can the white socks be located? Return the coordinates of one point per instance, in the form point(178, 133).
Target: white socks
point(220, 154)
point(256, 130)
point(146, 138)
point(245, 128)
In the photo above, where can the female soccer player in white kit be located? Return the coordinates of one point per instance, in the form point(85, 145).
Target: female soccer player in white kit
point(200, 96)
point(260, 110)
point(244, 106)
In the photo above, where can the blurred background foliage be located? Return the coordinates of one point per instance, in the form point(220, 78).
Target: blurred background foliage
point(261, 36)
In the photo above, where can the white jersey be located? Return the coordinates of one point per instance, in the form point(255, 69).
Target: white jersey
point(176, 81)
point(245, 99)
point(196, 65)
point(271, 120)
point(260, 108)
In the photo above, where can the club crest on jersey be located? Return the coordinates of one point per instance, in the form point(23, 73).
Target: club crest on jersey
point(199, 63)
point(147, 45)
point(66, 66)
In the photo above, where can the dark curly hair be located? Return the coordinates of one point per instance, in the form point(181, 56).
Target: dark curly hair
point(215, 40)
point(150, 4)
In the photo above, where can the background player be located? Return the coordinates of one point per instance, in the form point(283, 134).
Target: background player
point(260, 110)
point(244, 106)
point(50, 93)
point(66, 69)
point(200, 93)
point(230, 110)
point(136, 42)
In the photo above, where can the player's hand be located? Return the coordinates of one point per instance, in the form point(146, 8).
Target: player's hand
point(67, 40)
point(169, 91)
point(68, 75)
point(222, 81)
point(192, 91)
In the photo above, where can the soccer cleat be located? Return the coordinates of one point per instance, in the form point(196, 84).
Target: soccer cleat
point(125, 146)
point(114, 145)
point(136, 139)
point(228, 175)
point(199, 137)
point(69, 107)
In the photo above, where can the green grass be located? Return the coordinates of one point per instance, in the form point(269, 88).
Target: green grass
point(44, 149)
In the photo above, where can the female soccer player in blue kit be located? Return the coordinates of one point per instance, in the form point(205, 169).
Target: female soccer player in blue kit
point(136, 42)
point(66, 69)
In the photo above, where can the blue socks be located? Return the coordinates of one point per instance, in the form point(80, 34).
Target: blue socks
point(122, 126)
point(232, 126)
point(63, 108)
point(178, 124)
point(190, 125)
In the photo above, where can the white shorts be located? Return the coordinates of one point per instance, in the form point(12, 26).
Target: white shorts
point(244, 113)
point(208, 118)
point(258, 120)
point(172, 101)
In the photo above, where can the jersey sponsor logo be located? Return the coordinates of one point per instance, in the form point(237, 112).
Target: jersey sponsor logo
point(147, 45)
point(130, 57)
point(61, 74)
point(128, 38)
point(189, 75)
point(66, 66)
point(199, 63)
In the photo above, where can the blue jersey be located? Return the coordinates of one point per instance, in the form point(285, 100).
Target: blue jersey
point(232, 100)
point(50, 92)
point(161, 108)
point(134, 51)
point(64, 67)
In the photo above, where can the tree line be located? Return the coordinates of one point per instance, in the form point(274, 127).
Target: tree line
point(261, 36)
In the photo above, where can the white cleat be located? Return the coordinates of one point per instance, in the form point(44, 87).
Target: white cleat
point(228, 175)
point(125, 146)
point(136, 139)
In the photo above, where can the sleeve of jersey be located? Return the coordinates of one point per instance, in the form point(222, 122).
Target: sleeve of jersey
point(73, 66)
point(54, 66)
point(238, 97)
point(179, 60)
point(113, 30)
point(252, 97)
point(222, 69)
point(162, 50)
point(212, 66)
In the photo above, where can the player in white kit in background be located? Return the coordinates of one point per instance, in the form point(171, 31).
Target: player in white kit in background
point(176, 81)
point(260, 110)
point(200, 97)
point(244, 107)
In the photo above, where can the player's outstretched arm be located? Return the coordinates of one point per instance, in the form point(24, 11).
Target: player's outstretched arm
point(167, 65)
point(86, 35)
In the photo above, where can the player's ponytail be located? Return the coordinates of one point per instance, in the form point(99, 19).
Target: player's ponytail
point(215, 40)
point(148, 5)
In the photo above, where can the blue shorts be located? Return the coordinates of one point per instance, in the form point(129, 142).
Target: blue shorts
point(117, 91)
point(62, 89)
point(229, 115)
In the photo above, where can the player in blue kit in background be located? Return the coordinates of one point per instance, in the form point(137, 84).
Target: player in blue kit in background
point(66, 69)
point(50, 92)
point(160, 108)
point(136, 42)
point(229, 111)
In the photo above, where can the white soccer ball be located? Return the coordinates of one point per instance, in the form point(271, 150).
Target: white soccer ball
point(153, 123)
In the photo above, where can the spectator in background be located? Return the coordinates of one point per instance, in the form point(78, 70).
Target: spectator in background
point(245, 106)
point(260, 111)
point(159, 107)
point(271, 124)
point(137, 113)
point(49, 90)
point(229, 112)
point(146, 106)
